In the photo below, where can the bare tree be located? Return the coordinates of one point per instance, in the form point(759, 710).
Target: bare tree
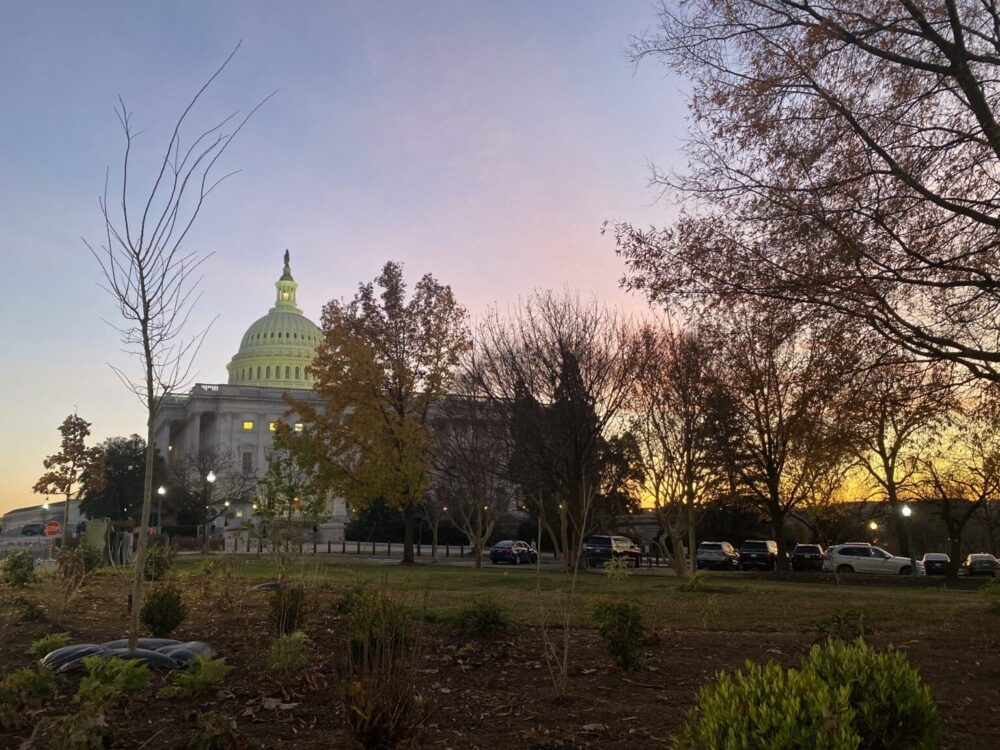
point(151, 275)
point(674, 413)
point(561, 372)
point(778, 429)
point(470, 482)
point(842, 154)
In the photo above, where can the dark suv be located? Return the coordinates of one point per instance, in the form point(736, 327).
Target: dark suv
point(807, 557)
point(758, 554)
point(597, 550)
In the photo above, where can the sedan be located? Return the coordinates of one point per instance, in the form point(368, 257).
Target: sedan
point(981, 564)
point(512, 551)
point(935, 563)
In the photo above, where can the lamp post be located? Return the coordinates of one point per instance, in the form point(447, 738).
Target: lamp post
point(874, 527)
point(907, 511)
point(159, 509)
point(210, 479)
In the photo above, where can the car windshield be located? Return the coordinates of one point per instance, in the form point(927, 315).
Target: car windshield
point(505, 544)
point(710, 545)
point(806, 548)
point(755, 546)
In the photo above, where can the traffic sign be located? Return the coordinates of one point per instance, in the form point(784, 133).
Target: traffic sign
point(52, 528)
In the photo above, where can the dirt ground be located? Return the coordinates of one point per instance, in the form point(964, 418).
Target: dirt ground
point(482, 692)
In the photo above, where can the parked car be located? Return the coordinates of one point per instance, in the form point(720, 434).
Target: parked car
point(32, 529)
point(807, 557)
point(759, 554)
point(512, 551)
point(981, 564)
point(935, 563)
point(717, 555)
point(861, 557)
point(597, 550)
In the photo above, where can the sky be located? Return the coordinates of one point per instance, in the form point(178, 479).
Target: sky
point(483, 142)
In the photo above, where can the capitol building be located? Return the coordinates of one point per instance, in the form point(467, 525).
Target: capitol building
point(233, 424)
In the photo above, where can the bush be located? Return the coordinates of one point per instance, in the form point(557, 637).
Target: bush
point(845, 697)
point(217, 731)
point(382, 705)
point(289, 656)
point(620, 625)
point(893, 708)
point(48, 643)
point(162, 610)
point(111, 681)
point(288, 609)
point(76, 563)
point(348, 601)
point(616, 569)
point(159, 561)
point(19, 568)
point(23, 688)
point(847, 625)
point(201, 676)
point(991, 594)
point(485, 616)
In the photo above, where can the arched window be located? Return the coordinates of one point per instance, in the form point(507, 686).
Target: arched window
point(258, 372)
point(287, 370)
point(297, 374)
point(268, 375)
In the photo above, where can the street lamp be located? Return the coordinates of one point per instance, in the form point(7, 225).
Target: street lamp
point(907, 511)
point(159, 509)
point(210, 478)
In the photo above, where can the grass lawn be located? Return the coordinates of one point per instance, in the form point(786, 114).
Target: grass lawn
point(725, 602)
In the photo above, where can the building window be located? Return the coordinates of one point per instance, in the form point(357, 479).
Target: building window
point(298, 427)
point(248, 425)
point(272, 426)
point(268, 376)
point(248, 463)
point(297, 373)
point(258, 372)
point(287, 371)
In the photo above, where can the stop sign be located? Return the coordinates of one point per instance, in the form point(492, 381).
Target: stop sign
point(52, 528)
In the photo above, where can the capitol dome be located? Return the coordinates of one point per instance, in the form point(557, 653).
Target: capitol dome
point(277, 349)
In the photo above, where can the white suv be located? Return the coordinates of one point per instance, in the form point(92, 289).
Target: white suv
point(860, 557)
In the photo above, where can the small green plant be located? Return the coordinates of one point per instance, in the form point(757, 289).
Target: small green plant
point(620, 625)
point(289, 656)
point(217, 731)
point(159, 561)
point(109, 682)
point(288, 609)
point(893, 708)
point(348, 600)
point(616, 569)
point(990, 593)
point(162, 610)
point(201, 676)
point(84, 729)
point(846, 696)
point(382, 704)
point(484, 616)
point(48, 643)
point(769, 708)
point(692, 583)
point(19, 568)
point(76, 564)
point(845, 625)
point(23, 688)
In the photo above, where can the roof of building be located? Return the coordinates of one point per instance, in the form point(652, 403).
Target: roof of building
point(277, 348)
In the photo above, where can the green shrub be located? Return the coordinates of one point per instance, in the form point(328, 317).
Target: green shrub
point(845, 697)
point(111, 681)
point(159, 561)
point(485, 616)
point(217, 731)
point(846, 625)
point(692, 583)
point(289, 656)
point(616, 569)
point(768, 708)
point(48, 643)
point(77, 563)
point(348, 600)
point(79, 730)
point(162, 610)
point(620, 625)
point(25, 687)
point(378, 629)
point(199, 677)
point(893, 708)
point(19, 568)
point(288, 609)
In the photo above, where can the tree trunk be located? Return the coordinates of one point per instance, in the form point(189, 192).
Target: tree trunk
point(477, 552)
point(65, 528)
point(409, 522)
point(689, 563)
point(147, 503)
point(434, 541)
point(778, 526)
point(955, 555)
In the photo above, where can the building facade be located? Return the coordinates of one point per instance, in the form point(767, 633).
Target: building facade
point(232, 425)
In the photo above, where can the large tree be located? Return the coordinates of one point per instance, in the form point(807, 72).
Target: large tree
point(383, 363)
point(65, 470)
point(779, 431)
point(560, 372)
point(150, 274)
point(842, 154)
point(675, 408)
point(113, 489)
